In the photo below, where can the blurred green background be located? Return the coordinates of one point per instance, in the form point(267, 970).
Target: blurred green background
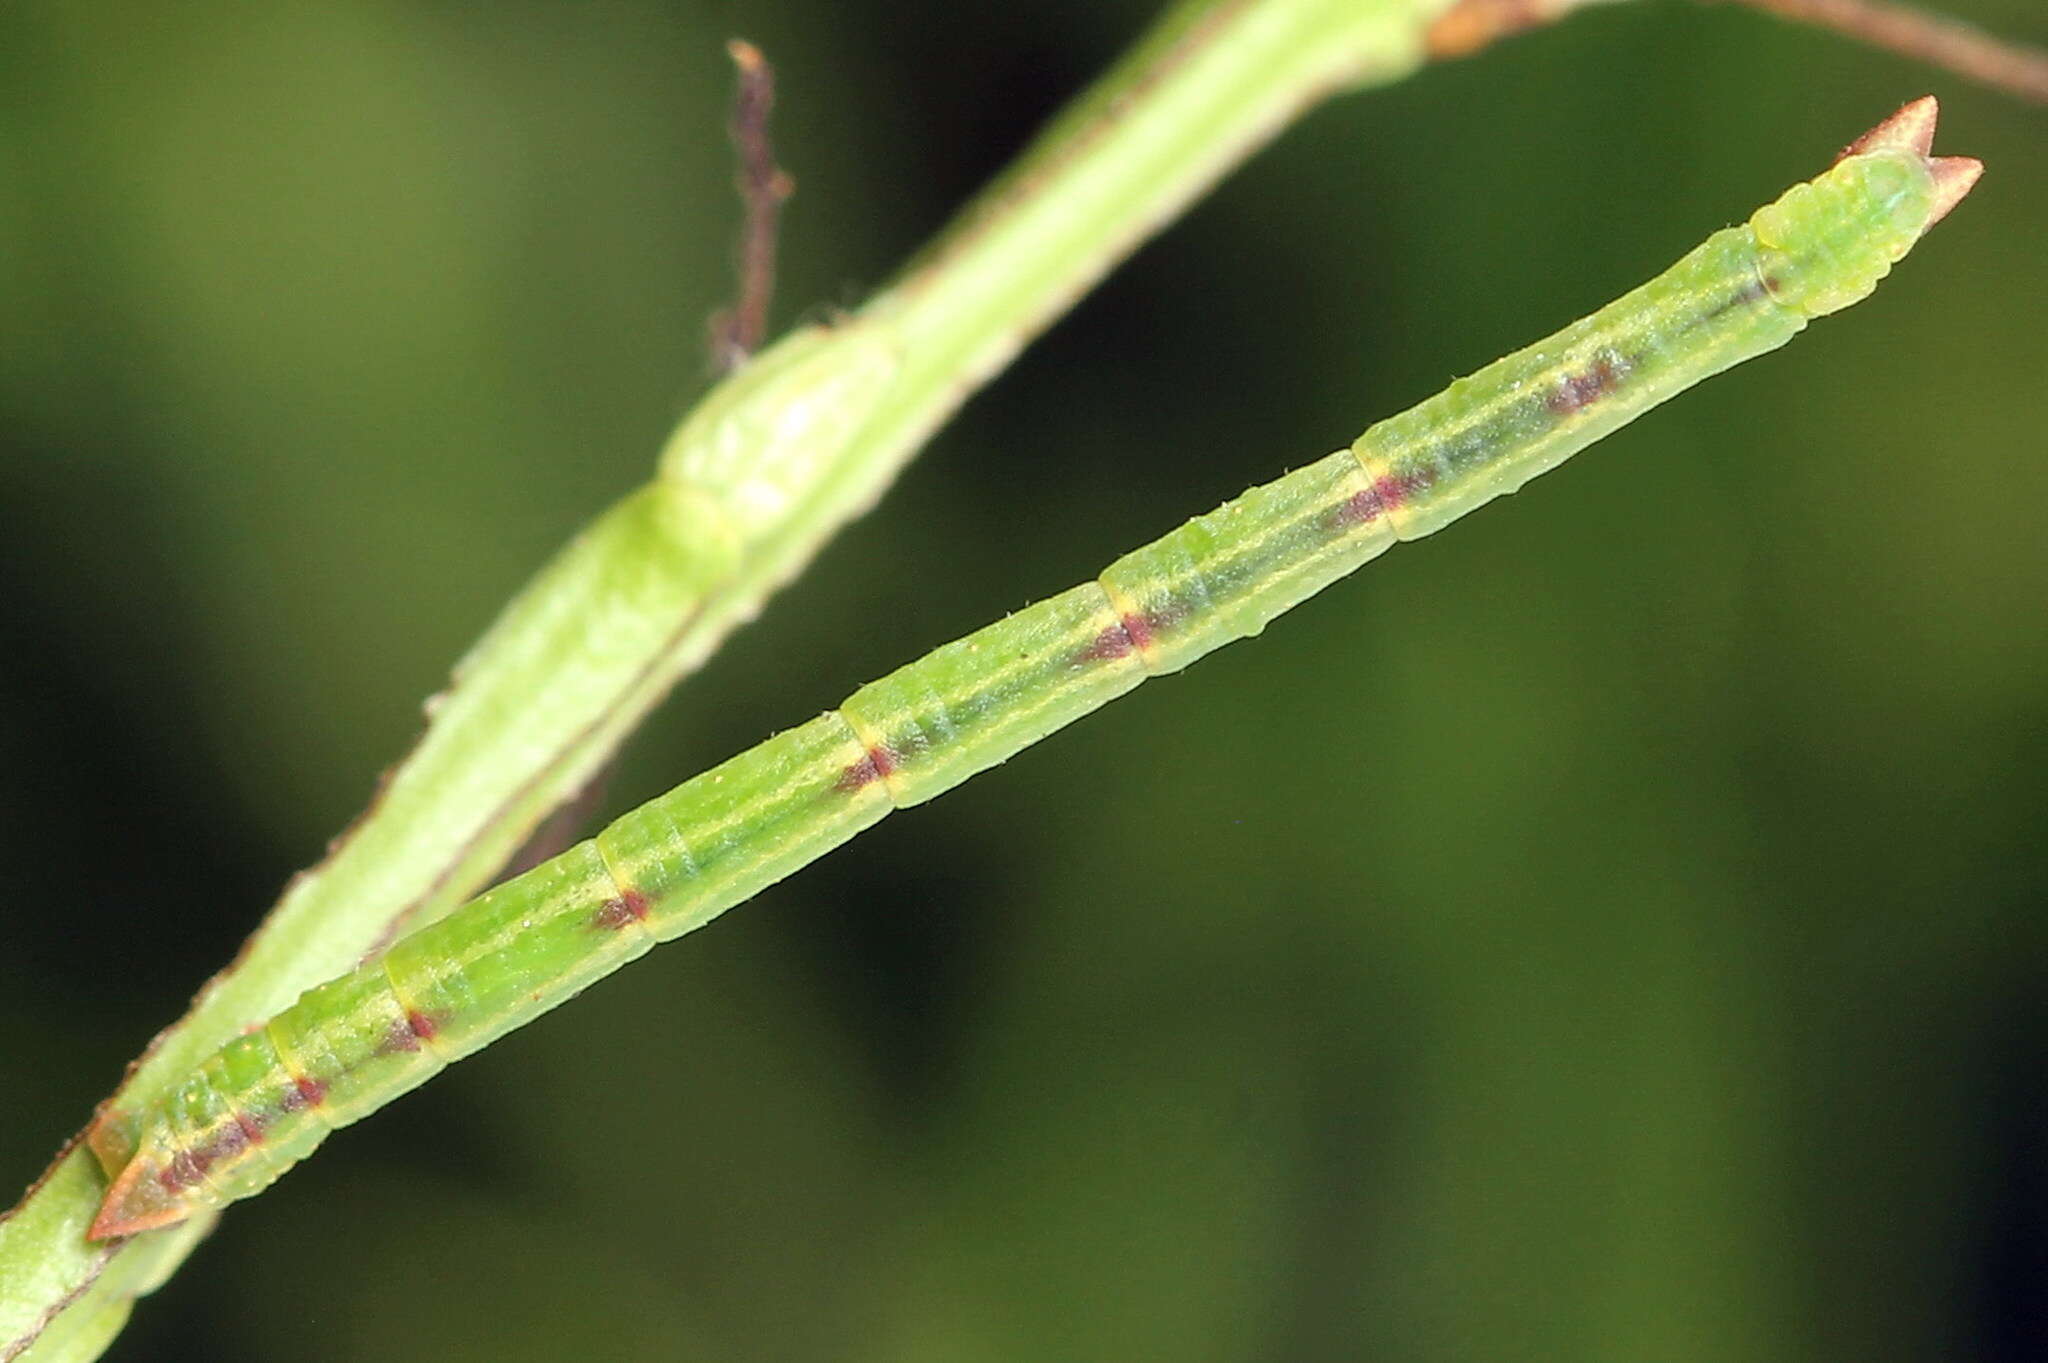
point(1610, 930)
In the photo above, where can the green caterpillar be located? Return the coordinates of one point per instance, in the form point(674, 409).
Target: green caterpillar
point(264, 1101)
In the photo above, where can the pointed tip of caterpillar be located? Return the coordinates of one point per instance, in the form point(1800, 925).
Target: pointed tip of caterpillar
point(1954, 178)
point(1911, 129)
point(137, 1203)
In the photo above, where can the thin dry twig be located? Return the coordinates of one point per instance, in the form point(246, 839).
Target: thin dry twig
point(2015, 68)
point(1947, 43)
point(736, 332)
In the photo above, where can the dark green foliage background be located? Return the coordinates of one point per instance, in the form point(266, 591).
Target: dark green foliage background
point(1611, 930)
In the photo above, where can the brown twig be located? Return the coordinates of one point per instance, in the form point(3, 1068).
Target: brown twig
point(2015, 68)
point(736, 332)
point(1947, 43)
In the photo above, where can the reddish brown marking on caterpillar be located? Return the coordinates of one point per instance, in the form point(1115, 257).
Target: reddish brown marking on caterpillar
point(1365, 507)
point(1140, 630)
point(228, 1141)
point(189, 1167)
point(1575, 392)
point(630, 907)
point(1360, 508)
point(1112, 643)
point(1388, 492)
point(189, 1164)
point(252, 1127)
point(1749, 293)
point(304, 1093)
point(1134, 632)
point(182, 1172)
point(408, 1034)
point(1392, 489)
point(857, 775)
point(878, 764)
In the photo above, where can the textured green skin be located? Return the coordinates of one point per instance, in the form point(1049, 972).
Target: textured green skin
point(353, 1044)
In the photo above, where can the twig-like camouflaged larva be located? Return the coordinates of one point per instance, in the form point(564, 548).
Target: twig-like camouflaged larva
point(346, 1048)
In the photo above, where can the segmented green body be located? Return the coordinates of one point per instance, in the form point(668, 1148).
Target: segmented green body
point(352, 1045)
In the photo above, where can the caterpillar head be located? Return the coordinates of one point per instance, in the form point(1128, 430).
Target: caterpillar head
point(1826, 243)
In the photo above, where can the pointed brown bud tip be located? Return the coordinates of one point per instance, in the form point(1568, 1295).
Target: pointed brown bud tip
point(745, 55)
point(1954, 178)
point(1910, 129)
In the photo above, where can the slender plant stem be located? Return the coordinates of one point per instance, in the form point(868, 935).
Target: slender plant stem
point(2016, 68)
point(1934, 39)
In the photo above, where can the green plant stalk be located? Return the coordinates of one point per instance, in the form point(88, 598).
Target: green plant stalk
point(757, 478)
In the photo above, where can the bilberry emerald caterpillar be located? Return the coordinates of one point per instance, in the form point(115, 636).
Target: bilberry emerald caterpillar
point(347, 1047)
